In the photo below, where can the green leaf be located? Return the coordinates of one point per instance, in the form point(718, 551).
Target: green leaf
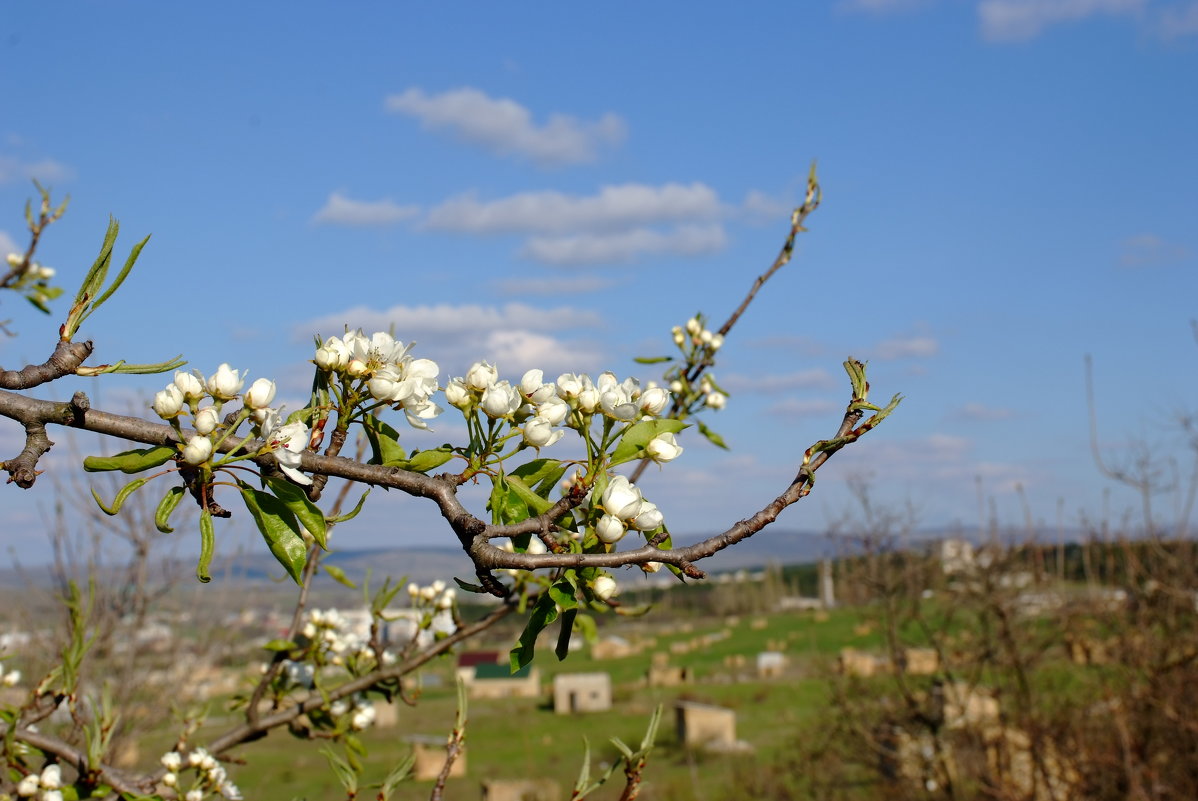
point(120, 277)
point(423, 461)
point(468, 587)
point(563, 635)
point(127, 490)
point(207, 546)
point(352, 513)
point(338, 575)
point(279, 528)
point(505, 504)
point(542, 614)
point(532, 501)
point(541, 475)
point(166, 506)
point(715, 438)
point(280, 645)
point(133, 461)
point(384, 442)
point(99, 269)
point(637, 436)
point(653, 359)
point(297, 501)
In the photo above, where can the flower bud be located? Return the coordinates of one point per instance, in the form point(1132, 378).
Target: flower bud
point(694, 326)
point(206, 420)
point(533, 387)
point(457, 394)
point(499, 400)
point(717, 342)
point(609, 529)
point(716, 400)
point(197, 450)
point(225, 383)
point(705, 337)
point(621, 498)
point(28, 786)
point(539, 433)
point(605, 588)
point(51, 778)
point(481, 376)
point(170, 779)
point(14, 259)
point(653, 400)
point(676, 387)
point(647, 518)
point(190, 385)
point(554, 411)
point(679, 337)
point(168, 403)
point(535, 546)
point(663, 448)
point(588, 400)
point(260, 394)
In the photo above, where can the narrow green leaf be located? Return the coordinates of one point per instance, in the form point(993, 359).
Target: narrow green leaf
point(563, 635)
point(338, 575)
point(207, 546)
point(352, 513)
point(279, 528)
point(468, 587)
point(148, 369)
point(280, 645)
point(715, 438)
point(542, 475)
point(297, 501)
point(125, 491)
point(542, 614)
point(133, 461)
point(632, 444)
point(120, 277)
point(423, 461)
point(166, 506)
point(99, 269)
point(653, 359)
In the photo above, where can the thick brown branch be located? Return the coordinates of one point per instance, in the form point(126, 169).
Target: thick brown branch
point(67, 358)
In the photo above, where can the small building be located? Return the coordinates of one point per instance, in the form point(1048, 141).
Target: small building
point(521, 790)
point(581, 692)
point(470, 660)
point(667, 675)
point(612, 648)
point(430, 753)
point(920, 661)
point(498, 681)
point(770, 664)
point(860, 663)
point(705, 725)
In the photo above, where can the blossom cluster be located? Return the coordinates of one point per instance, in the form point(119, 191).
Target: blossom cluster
point(186, 395)
point(387, 369)
point(46, 786)
point(210, 775)
point(34, 280)
point(698, 334)
point(699, 343)
point(624, 507)
point(9, 678)
point(330, 633)
point(437, 595)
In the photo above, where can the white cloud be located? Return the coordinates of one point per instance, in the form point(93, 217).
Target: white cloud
point(882, 6)
point(815, 378)
point(980, 412)
point(342, 210)
point(516, 336)
point(1150, 250)
point(8, 245)
point(570, 285)
point(911, 347)
point(45, 170)
point(624, 246)
point(503, 126)
point(1175, 23)
point(765, 208)
point(550, 212)
point(793, 407)
point(1020, 20)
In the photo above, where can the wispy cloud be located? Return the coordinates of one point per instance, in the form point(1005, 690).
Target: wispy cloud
point(550, 212)
point(342, 210)
point(816, 378)
point(1178, 21)
point(515, 336)
point(1020, 20)
point(980, 412)
point(505, 127)
point(44, 170)
point(565, 285)
point(906, 347)
point(794, 407)
point(8, 245)
point(1150, 250)
point(625, 246)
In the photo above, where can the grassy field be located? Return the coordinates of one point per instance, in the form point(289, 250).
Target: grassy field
point(520, 738)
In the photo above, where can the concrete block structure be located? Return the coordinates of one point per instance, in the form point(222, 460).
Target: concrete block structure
point(704, 725)
point(581, 692)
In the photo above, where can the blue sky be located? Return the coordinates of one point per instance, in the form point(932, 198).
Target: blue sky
point(1008, 185)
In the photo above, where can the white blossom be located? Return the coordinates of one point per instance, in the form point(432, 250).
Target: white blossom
point(198, 450)
point(539, 433)
point(610, 529)
point(190, 384)
point(28, 786)
point(663, 448)
point(653, 401)
point(288, 442)
point(621, 498)
point(605, 588)
point(481, 376)
point(206, 420)
point(168, 403)
point(260, 394)
point(225, 383)
point(172, 760)
point(500, 400)
point(647, 518)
